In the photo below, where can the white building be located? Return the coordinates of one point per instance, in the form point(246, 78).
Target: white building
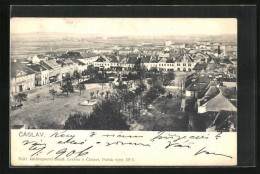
point(168, 43)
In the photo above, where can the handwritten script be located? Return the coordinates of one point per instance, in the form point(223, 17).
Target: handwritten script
point(64, 145)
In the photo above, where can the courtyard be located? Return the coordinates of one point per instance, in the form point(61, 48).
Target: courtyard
point(44, 112)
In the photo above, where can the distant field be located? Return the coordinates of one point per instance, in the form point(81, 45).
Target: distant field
point(24, 48)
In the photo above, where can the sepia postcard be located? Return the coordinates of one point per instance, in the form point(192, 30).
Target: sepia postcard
point(123, 91)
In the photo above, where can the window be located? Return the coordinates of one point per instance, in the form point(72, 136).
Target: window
point(189, 64)
point(184, 64)
point(178, 65)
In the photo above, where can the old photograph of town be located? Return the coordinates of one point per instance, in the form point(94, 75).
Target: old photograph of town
point(132, 74)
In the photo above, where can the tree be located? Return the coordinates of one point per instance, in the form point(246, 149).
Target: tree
point(102, 93)
point(81, 87)
point(92, 94)
point(107, 93)
point(138, 65)
point(140, 88)
point(155, 91)
point(77, 75)
point(91, 71)
point(130, 76)
point(153, 79)
point(142, 72)
point(20, 97)
point(150, 96)
point(121, 86)
point(168, 77)
point(159, 88)
point(52, 92)
point(105, 116)
point(75, 121)
point(97, 92)
point(128, 97)
point(67, 87)
point(84, 73)
point(153, 70)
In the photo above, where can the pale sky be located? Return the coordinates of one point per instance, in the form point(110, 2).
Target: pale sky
point(126, 26)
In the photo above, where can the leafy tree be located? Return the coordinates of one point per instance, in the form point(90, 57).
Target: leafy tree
point(142, 72)
point(153, 80)
point(97, 92)
point(67, 77)
point(107, 93)
point(150, 96)
point(153, 70)
point(76, 121)
point(91, 71)
point(154, 92)
point(159, 88)
point(121, 86)
point(130, 76)
point(138, 64)
point(140, 88)
point(102, 93)
point(67, 87)
point(52, 92)
point(168, 77)
point(81, 87)
point(84, 73)
point(20, 97)
point(105, 116)
point(77, 75)
point(92, 94)
point(128, 97)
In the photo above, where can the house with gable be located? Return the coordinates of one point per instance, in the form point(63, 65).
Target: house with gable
point(102, 63)
point(217, 99)
point(41, 74)
point(54, 70)
point(184, 63)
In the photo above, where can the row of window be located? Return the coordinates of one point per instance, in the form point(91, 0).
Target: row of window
point(184, 64)
point(178, 69)
point(130, 65)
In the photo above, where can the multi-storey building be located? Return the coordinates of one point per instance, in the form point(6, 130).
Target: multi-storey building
point(41, 74)
point(22, 78)
point(54, 70)
point(183, 63)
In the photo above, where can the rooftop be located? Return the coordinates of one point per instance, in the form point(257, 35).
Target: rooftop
point(37, 68)
point(19, 69)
